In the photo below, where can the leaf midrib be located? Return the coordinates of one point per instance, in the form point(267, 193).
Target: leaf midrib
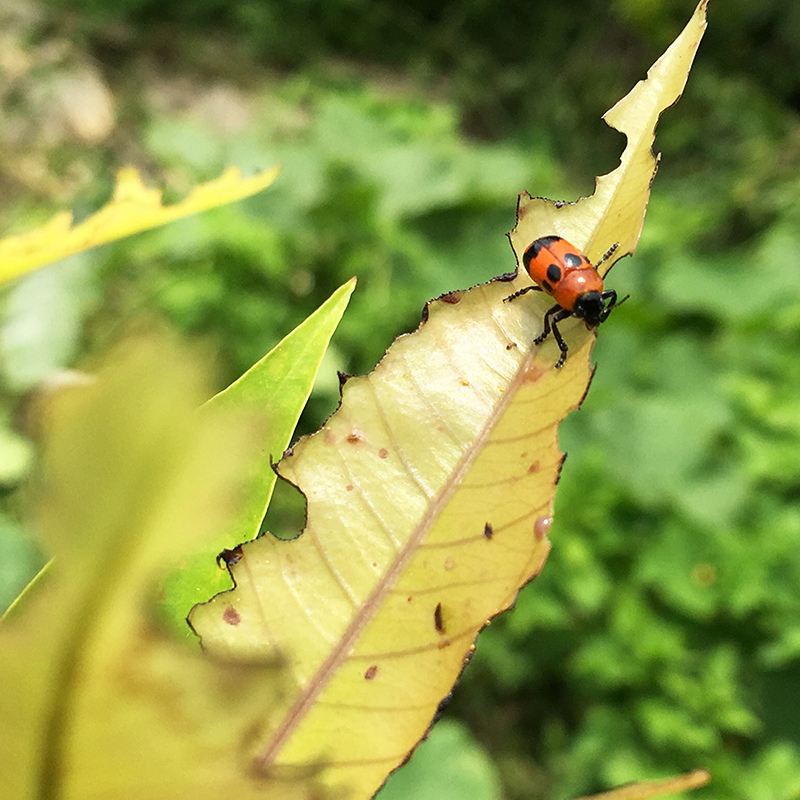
point(372, 605)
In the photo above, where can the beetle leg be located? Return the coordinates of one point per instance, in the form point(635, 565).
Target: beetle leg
point(521, 292)
point(559, 338)
point(610, 252)
point(546, 332)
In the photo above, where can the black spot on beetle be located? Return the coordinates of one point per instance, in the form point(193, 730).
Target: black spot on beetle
point(553, 273)
point(437, 618)
point(573, 260)
point(488, 531)
point(547, 287)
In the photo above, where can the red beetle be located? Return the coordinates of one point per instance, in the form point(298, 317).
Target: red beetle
point(561, 270)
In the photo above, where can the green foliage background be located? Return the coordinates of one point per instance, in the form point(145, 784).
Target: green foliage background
point(664, 632)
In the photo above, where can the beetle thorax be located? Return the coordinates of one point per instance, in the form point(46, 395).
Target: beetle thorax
point(575, 284)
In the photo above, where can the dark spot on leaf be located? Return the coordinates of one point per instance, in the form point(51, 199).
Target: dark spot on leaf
point(231, 616)
point(542, 526)
point(534, 467)
point(444, 643)
point(349, 487)
point(511, 345)
point(383, 452)
point(488, 531)
point(230, 557)
point(353, 437)
point(371, 672)
point(451, 298)
point(437, 618)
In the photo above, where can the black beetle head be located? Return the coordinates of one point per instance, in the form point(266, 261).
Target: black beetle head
point(590, 307)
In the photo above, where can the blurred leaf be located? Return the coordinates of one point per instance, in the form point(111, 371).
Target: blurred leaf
point(448, 765)
point(105, 705)
point(646, 791)
point(42, 322)
point(132, 209)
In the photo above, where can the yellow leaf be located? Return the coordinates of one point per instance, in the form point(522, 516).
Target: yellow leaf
point(652, 789)
point(429, 497)
point(133, 208)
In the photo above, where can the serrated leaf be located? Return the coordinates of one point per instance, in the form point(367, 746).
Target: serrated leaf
point(429, 496)
point(132, 209)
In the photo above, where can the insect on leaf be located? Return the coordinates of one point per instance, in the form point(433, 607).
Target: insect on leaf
point(429, 494)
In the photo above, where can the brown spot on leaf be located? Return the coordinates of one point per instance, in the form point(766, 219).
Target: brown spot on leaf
point(230, 557)
point(534, 373)
point(452, 298)
point(349, 487)
point(449, 563)
point(438, 623)
point(444, 643)
point(542, 526)
point(231, 616)
point(534, 467)
point(383, 453)
point(327, 436)
point(463, 381)
point(353, 437)
point(371, 672)
point(511, 345)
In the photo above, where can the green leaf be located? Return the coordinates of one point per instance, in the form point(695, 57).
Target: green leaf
point(275, 390)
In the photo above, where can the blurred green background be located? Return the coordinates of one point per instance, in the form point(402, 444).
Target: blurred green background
point(664, 633)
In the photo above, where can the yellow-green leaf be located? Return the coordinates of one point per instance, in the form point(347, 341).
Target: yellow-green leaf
point(99, 703)
point(429, 497)
point(132, 209)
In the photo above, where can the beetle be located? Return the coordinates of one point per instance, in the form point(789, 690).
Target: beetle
point(561, 270)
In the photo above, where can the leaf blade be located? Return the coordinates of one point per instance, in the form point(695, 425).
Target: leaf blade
point(405, 470)
point(132, 209)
